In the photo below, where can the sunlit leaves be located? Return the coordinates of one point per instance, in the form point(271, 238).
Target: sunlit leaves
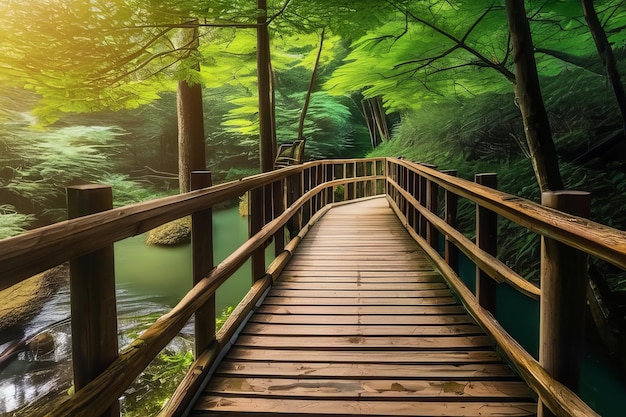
point(427, 51)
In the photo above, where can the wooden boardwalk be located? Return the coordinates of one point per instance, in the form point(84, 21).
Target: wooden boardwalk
point(359, 323)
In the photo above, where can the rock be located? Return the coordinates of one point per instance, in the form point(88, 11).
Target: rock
point(177, 232)
point(42, 345)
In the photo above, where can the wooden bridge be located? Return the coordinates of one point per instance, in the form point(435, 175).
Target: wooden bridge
point(362, 310)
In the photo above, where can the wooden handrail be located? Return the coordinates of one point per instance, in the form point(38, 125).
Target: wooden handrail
point(572, 232)
point(35, 251)
point(488, 263)
point(593, 238)
point(52, 245)
point(94, 398)
point(558, 397)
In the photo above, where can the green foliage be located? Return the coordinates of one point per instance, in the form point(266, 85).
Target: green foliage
point(13, 223)
point(428, 51)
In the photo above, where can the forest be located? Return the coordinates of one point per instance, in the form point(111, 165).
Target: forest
point(138, 93)
point(129, 93)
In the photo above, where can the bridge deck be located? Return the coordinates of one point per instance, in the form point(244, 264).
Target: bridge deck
point(360, 323)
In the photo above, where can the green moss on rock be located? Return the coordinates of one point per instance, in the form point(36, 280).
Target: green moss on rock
point(177, 232)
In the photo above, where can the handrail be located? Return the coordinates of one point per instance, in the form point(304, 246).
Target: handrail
point(412, 191)
point(307, 189)
point(309, 184)
point(593, 238)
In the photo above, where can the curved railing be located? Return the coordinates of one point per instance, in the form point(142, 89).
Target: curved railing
point(293, 198)
point(413, 191)
point(288, 197)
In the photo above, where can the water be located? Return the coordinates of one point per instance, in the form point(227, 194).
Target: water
point(602, 385)
point(150, 280)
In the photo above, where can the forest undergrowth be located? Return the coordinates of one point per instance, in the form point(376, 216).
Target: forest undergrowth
point(485, 134)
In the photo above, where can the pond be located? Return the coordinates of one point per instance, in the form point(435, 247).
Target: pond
point(150, 280)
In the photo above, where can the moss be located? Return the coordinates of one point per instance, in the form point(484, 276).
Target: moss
point(25, 299)
point(177, 232)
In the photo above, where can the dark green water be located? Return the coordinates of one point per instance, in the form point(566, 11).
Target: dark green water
point(164, 273)
point(150, 280)
point(602, 385)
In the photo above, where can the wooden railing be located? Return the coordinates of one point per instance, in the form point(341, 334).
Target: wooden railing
point(102, 373)
point(413, 191)
point(293, 198)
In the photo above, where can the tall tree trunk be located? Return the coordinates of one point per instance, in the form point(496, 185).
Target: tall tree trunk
point(376, 120)
point(266, 140)
point(191, 147)
point(606, 54)
point(309, 91)
point(528, 94)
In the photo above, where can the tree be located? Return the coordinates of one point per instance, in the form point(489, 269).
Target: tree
point(530, 101)
point(435, 51)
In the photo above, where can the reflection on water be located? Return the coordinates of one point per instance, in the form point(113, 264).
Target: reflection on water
point(149, 282)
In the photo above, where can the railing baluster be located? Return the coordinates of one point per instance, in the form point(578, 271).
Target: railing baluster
point(203, 262)
point(278, 206)
point(563, 298)
point(255, 224)
point(423, 224)
point(432, 204)
point(487, 240)
point(451, 208)
point(92, 299)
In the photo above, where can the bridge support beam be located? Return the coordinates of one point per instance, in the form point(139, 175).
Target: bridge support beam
point(92, 301)
point(563, 298)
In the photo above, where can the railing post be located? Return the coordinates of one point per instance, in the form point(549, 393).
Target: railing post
point(563, 297)
point(422, 223)
point(278, 200)
point(255, 224)
point(432, 204)
point(487, 240)
point(92, 299)
point(451, 203)
point(203, 262)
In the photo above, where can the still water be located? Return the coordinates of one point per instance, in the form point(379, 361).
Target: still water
point(150, 280)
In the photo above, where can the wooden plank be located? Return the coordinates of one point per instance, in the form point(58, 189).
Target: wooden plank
point(362, 325)
point(337, 301)
point(375, 286)
point(361, 319)
point(379, 389)
point(449, 357)
point(420, 294)
point(418, 277)
point(226, 404)
point(359, 330)
point(392, 310)
point(367, 276)
point(369, 342)
point(470, 371)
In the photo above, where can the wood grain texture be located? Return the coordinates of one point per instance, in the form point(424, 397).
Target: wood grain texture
point(361, 324)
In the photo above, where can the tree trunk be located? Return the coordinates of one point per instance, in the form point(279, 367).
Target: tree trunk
point(528, 94)
point(191, 146)
point(376, 120)
point(191, 150)
point(309, 91)
point(266, 140)
point(606, 54)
